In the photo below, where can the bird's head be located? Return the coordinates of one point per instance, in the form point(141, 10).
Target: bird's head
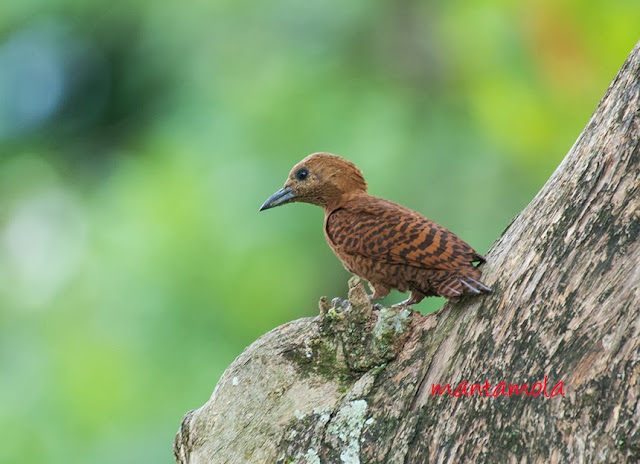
point(322, 179)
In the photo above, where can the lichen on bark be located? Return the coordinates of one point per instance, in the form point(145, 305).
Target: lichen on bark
point(327, 365)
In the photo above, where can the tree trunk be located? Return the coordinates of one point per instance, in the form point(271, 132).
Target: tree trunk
point(355, 384)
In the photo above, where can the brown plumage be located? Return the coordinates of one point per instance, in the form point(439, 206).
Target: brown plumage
point(390, 246)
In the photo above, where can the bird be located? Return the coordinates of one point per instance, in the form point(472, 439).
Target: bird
point(388, 245)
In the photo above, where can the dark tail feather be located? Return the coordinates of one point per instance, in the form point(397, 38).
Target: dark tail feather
point(456, 285)
point(482, 286)
point(478, 259)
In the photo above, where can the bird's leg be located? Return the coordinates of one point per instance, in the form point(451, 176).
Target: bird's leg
point(414, 298)
point(379, 291)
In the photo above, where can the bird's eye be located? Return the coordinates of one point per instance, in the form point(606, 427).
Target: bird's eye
point(302, 174)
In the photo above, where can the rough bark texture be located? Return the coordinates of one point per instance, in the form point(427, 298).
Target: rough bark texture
point(354, 384)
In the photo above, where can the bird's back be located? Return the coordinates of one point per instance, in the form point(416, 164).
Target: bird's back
point(394, 246)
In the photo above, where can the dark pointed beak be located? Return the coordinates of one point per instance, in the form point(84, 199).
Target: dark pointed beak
point(278, 198)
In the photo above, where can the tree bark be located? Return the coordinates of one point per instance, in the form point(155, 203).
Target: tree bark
point(354, 385)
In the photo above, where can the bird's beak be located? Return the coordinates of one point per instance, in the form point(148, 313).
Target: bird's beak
point(281, 196)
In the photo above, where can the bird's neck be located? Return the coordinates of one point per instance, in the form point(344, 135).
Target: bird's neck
point(338, 202)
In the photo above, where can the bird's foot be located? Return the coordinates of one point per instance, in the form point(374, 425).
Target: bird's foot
point(376, 306)
point(406, 303)
point(414, 298)
point(339, 302)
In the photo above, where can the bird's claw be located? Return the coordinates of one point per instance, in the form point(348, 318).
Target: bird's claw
point(406, 303)
point(338, 302)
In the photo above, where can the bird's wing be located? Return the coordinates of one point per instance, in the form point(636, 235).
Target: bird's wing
point(380, 229)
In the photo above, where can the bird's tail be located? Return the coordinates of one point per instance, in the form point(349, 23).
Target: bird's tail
point(461, 283)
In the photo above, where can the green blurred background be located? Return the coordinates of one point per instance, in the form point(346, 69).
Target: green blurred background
point(139, 138)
